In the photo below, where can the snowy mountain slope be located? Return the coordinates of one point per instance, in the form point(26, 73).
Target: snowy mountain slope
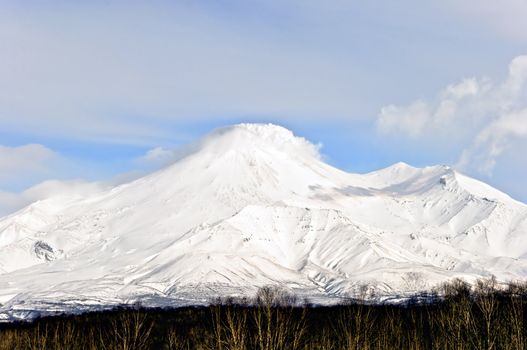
point(252, 205)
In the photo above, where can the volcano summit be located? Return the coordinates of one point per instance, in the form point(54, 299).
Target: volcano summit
point(253, 205)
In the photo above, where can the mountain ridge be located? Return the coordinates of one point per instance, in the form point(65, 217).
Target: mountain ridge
point(251, 205)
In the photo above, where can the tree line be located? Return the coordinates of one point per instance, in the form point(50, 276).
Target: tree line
point(457, 316)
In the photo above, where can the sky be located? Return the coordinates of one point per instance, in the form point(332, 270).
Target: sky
point(95, 93)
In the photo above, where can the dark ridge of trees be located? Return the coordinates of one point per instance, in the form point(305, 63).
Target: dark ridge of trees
point(484, 316)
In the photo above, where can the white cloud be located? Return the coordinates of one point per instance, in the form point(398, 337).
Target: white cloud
point(51, 188)
point(467, 102)
point(483, 116)
point(28, 161)
point(32, 172)
point(468, 87)
point(493, 140)
point(411, 119)
point(12, 201)
point(23, 166)
point(157, 155)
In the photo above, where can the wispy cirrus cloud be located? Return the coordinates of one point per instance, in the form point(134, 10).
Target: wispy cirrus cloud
point(122, 71)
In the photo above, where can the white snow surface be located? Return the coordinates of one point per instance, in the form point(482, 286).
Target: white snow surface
point(253, 205)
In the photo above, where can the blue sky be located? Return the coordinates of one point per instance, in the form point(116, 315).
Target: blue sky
point(88, 89)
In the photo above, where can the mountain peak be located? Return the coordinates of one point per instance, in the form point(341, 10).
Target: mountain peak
point(268, 131)
point(267, 136)
point(248, 205)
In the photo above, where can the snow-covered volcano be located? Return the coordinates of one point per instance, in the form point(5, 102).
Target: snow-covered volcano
point(253, 205)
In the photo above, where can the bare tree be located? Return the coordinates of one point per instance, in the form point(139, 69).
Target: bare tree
point(487, 303)
point(128, 331)
point(516, 292)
